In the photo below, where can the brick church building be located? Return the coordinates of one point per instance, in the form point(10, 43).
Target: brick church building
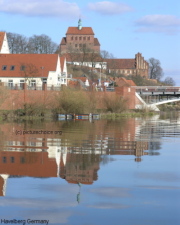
point(80, 47)
point(79, 38)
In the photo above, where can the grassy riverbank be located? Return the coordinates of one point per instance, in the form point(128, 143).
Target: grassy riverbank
point(128, 114)
point(49, 115)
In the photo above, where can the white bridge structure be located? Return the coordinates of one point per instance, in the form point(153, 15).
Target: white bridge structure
point(152, 96)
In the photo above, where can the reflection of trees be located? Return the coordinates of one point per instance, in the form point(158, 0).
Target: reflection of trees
point(78, 131)
point(153, 146)
point(105, 159)
point(170, 115)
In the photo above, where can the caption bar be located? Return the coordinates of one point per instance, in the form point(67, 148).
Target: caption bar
point(23, 132)
point(24, 222)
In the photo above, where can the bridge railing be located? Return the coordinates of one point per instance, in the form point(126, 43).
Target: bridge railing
point(156, 89)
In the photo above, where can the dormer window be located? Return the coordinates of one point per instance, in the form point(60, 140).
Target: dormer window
point(12, 68)
point(4, 67)
point(22, 68)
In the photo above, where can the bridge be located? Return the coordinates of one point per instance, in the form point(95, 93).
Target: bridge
point(151, 96)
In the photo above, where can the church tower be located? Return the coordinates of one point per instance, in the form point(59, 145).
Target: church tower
point(79, 24)
point(79, 38)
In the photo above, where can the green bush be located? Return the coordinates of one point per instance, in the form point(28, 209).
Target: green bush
point(72, 101)
point(115, 104)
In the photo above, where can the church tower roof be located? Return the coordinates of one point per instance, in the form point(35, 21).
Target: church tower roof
point(79, 24)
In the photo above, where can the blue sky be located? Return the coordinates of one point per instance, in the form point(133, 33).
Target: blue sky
point(122, 27)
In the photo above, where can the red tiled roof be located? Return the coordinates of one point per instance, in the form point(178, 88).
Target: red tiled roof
point(96, 42)
point(81, 78)
point(128, 82)
point(131, 82)
point(63, 41)
point(120, 63)
point(1, 39)
point(46, 61)
point(121, 81)
point(83, 31)
point(73, 83)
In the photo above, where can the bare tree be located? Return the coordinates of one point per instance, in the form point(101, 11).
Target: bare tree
point(169, 81)
point(155, 70)
point(29, 72)
point(17, 43)
point(41, 44)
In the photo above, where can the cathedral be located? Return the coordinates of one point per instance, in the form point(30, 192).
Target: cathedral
point(78, 39)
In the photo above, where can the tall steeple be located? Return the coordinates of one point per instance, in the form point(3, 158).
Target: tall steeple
point(79, 24)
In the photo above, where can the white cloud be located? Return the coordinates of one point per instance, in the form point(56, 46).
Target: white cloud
point(112, 192)
point(107, 205)
point(57, 8)
point(109, 8)
point(168, 24)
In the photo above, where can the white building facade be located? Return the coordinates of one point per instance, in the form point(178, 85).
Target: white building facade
point(4, 47)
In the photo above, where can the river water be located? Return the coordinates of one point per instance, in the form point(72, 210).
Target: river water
point(97, 172)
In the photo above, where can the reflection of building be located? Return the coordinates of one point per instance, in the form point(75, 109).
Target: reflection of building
point(75, 157)
point(3, 180)
point(81, 168)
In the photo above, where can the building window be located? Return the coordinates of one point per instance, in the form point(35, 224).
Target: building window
point(76, 38)
point(80, 38)
point(12, 159)
point(22, 160)
point(72, 38)
point(76, 45)
point(10, 83)
point(88, 38)
point(33, 83)
point(22, 68)
point(44, 80)
point(80, 45)
point(32, 143)
point(84, 38)
point(12, 68)
point(22, 83)
point(84, 45)
point(4, 160)
point(4, 67)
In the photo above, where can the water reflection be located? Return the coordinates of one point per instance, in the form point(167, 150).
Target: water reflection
point(40, 150)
